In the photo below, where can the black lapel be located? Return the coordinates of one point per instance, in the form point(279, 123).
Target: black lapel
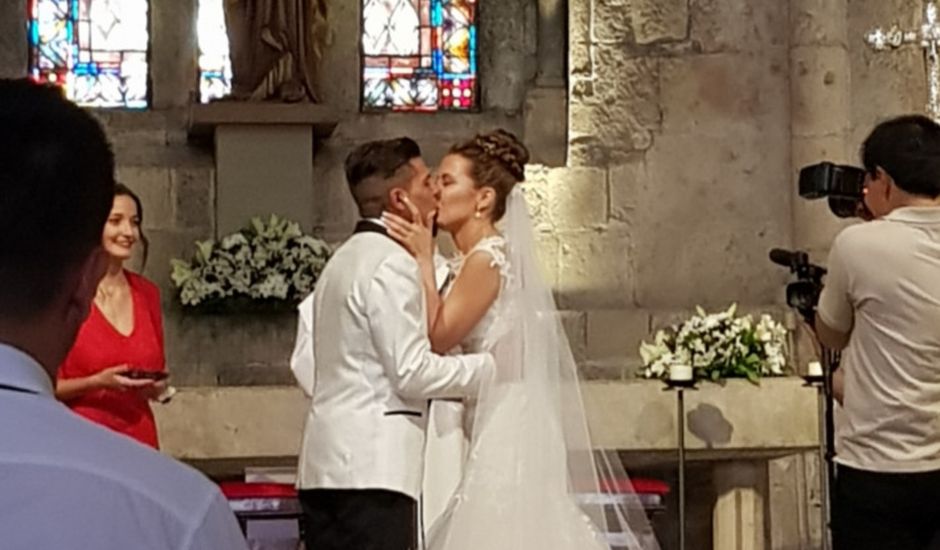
point(366, 226)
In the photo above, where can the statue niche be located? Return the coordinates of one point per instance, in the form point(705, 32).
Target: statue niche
point(276, 47)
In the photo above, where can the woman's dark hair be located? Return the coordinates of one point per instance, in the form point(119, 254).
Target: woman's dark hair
point(498, 160)
point(907, 148)
point(121, 190)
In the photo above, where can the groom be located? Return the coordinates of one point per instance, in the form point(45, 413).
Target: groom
point(361, 458)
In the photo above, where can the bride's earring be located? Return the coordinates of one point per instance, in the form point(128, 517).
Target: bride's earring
point(477, 214)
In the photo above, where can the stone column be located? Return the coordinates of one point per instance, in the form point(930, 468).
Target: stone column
point(820, 96)
point(174, 73)
point(552, 43)
point(738, 517)
point(13, 45)
point(546, 128)
point(263, 169)
point(793, 502)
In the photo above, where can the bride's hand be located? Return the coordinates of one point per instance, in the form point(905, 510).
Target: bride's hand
point(415, 236)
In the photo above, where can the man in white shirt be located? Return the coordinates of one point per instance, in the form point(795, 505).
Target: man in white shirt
point(361, 460)
point(64, 482)
point(881, 303)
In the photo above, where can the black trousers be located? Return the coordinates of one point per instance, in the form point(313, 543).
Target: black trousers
point(885, 511)
point(351, 519)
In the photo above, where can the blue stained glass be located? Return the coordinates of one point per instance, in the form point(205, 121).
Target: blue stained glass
point(410, 64)
point(473, 49)
point(65, 35)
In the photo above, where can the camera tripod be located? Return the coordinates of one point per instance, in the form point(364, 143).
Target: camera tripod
point(827, 451)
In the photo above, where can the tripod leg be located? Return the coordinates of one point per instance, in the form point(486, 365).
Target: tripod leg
point(828, 445)
point(824, 480)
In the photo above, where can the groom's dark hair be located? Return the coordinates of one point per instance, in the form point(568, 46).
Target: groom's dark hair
point(374, 167)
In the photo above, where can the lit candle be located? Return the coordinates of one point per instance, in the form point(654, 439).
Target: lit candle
point(680, 373)
point(814, 369)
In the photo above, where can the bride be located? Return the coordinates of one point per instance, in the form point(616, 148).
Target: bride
point(529, 472)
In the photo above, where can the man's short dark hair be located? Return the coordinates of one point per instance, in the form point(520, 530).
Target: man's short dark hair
point(56, 190)
point(907, 148)
point(379, 159)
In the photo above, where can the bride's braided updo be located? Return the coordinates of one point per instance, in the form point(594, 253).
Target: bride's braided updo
point(498, 160)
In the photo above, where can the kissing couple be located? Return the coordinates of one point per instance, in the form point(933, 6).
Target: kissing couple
point(472, 346)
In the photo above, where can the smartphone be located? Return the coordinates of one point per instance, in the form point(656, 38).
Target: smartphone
point(138, 374)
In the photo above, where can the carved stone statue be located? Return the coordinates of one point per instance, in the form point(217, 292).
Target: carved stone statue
point(276, 47)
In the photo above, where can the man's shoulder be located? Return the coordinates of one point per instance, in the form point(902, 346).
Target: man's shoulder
point(91, 455)
point(866, 234)
point(369, 245)
point(369, 254)
point(397, 264)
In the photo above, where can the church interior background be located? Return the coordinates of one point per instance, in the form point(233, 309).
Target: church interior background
point(667, 136)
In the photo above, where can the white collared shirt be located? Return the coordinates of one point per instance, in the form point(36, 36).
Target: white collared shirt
point(376, 221)
point(883, 286)
point(66, 483)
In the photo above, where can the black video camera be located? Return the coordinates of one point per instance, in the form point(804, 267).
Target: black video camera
point(843, 185)
point(802, 294)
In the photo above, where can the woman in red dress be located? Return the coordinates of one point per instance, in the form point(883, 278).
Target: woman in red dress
point(109, 375)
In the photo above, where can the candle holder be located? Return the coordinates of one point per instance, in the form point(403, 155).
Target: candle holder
point(684, 384)
point(815, 375)
point(813, 380)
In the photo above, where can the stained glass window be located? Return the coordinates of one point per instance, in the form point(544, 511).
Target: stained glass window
point(215, 67)
point(96, 49)
point(419, 55)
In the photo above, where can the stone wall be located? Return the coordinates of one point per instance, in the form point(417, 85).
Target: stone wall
point(176, 176)
point(679, 178)
point(631, 237)
point(12, 39)
point(668, 149)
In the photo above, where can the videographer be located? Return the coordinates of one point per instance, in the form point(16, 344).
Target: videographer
point(881, 304)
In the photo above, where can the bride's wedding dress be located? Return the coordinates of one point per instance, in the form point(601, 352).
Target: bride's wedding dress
point(527, 456)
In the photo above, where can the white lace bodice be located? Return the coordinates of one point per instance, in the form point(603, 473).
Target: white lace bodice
point(496, 320)
point(509, 410)
point(528, 454)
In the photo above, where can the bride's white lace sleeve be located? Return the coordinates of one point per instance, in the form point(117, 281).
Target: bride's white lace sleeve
point(495, 246)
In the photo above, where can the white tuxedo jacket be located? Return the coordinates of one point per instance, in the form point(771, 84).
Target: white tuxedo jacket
point(302, 360)
point(375, 372)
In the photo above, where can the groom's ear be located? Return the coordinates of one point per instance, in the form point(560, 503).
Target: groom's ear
point(396, 200)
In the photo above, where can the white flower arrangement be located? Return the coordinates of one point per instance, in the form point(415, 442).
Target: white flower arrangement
point(717, 346)
point(271, 262)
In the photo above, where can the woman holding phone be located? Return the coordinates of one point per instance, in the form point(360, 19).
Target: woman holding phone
point(117, 364)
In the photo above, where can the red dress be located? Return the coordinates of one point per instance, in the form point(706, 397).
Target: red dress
point(99, 346)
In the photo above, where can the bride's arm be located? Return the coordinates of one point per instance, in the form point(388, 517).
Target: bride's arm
point(473, 292)
point(416, 236)
point(429, 284)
